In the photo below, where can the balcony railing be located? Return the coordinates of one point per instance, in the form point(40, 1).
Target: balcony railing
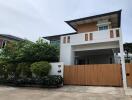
point(92, 37)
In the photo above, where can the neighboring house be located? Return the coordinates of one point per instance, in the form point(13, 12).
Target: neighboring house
point(97, 40)
point(55, 40)
point(128, 58)
point(4, 39)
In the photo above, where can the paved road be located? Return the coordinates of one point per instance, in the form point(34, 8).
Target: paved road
point(65, 93)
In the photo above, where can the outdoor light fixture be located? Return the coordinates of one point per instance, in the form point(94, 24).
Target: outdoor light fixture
point(59, 71)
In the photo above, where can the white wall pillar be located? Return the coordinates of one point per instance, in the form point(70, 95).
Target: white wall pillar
point(57, 68)
point(65, 52)
point(72, 57)
point(122, 61)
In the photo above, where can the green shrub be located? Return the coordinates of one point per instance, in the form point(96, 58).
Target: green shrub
point(23, 82)
point(52, 80)
point(10, 70)
point(10, 81)
point(2, 69)
point(40, 69)
point(47, 81)
point(23, 70)
point(3, 81)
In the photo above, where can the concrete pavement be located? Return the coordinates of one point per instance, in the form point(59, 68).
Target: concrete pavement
point(64, 93)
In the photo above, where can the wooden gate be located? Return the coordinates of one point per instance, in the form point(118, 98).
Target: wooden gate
point(129, 74)
point(97, 74)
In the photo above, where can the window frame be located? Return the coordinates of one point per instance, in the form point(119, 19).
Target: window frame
point(103, 27)
point(117, 33)
point(111, 34)
point(68, 39)
point(64, 39)
point(86, 37)
point(90, 36)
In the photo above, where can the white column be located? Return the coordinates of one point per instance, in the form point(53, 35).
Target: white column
point(72, 57)
point(122, 61)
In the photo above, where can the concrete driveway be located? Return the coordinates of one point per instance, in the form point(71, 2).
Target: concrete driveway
point(64, 93)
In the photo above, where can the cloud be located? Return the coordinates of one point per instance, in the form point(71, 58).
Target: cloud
point(34, 18)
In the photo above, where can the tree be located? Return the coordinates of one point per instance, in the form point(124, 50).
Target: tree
point(26, 51)
point(18, 55)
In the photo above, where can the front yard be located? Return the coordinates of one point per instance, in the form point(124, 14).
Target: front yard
point(64, 93)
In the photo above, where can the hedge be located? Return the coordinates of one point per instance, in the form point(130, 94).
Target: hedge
point(27, 74)
point(47, 81)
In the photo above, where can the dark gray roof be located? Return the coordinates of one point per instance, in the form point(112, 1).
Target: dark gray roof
point(54, 37)
point(11, 37)
point(85, 18)
point(96, 16)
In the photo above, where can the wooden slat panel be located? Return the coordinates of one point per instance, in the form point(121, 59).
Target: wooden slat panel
point(87, 75)
point(97, 74)
point(66, 75)
point(129, 74)
point(81, 79)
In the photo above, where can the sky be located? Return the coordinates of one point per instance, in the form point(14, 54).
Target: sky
point(31, 19)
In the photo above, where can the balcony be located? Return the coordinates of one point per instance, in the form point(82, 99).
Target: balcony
point(92, 37)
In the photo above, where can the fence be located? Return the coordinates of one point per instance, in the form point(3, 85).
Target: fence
point(96, 74)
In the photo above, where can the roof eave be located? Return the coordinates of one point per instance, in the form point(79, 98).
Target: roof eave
point(100, 15)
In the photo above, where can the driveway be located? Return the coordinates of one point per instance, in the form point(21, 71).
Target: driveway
point(64, 93)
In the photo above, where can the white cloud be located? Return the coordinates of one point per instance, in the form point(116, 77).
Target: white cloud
point(34, 18)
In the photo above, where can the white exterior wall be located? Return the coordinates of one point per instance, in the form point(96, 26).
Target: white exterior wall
point(65, 53)
point(98, 36)
point(78, 43)
point(55, 67)
point(96, 46)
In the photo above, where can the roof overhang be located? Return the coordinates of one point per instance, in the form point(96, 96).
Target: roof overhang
point(11, 37)
point(114, 17)
point(57, 37)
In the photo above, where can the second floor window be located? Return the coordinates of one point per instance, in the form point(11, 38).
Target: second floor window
point(111, 34)
point(55, 42)
point(64, 39)
point(86, 37)
point(105, 27)
point(91, 36)
point(117, 33)
point(68, 39)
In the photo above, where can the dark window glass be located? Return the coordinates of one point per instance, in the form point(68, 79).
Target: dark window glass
point(111, 34)
point(117, 33)
point(110, 60)
point(91, 36)
point(103, 27)
point(64, 39)
point(55, 42)
point(68, 39)
point(86, 37)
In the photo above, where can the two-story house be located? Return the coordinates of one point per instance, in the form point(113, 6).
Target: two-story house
point(96, 40)
point(95, 37)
